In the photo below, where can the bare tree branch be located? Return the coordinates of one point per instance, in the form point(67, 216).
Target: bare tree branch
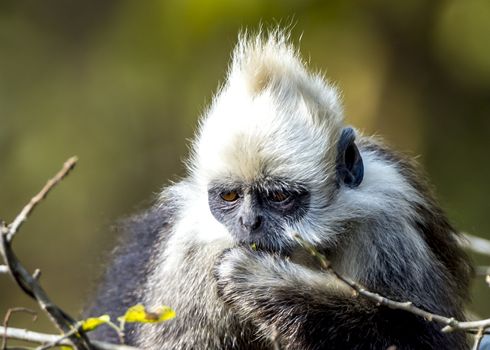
point(450, 324)
point(478, 338)
point(24, 279)
point(43, 338)
point(476, 244)
point(482, 270)
point(26, 211)
point(59, 340)
point(29, 336)
point(7, 317)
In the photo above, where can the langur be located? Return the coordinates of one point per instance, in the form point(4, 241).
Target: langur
point(273, 159)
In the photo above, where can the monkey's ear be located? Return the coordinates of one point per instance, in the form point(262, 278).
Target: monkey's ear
point(350, 169)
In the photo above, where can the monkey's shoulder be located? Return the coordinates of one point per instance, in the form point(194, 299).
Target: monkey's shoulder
point(127, 270)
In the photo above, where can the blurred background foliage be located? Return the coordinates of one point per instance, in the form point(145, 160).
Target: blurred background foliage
point(122, 83)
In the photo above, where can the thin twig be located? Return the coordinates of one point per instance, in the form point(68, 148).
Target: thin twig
point(7, 317)
point(36, 274)
point(42, 338)
point(474, 243)
point(274, 341)
point(482, 270)
point(478, 338)
point(119, 331)
point(60, 339)
point(450, 324)
point(26, 211)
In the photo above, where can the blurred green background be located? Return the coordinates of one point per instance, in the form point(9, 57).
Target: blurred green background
point(122, 83)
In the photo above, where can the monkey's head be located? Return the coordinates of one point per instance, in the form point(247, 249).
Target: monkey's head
point(272, 151)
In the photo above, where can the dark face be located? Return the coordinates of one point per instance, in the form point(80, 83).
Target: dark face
point(257, 214)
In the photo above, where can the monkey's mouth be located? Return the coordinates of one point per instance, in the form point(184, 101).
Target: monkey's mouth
point(269, 246)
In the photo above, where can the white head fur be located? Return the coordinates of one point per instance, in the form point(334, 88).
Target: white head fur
point(271, 119)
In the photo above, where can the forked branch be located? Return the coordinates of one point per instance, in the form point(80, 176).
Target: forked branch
point(29, 282)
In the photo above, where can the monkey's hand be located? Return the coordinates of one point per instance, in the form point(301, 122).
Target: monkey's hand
point(244, 275)
point(272, 292)
point(242, 272)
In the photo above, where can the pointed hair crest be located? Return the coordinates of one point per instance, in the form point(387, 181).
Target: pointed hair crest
point(271, 118)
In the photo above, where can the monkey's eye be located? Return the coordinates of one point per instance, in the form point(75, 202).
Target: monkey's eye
point(229, 196)
point(278, 196)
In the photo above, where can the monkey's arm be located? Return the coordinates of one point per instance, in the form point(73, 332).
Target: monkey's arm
point(309, 307)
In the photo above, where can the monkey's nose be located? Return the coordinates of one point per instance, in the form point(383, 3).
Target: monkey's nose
point(251, 223)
